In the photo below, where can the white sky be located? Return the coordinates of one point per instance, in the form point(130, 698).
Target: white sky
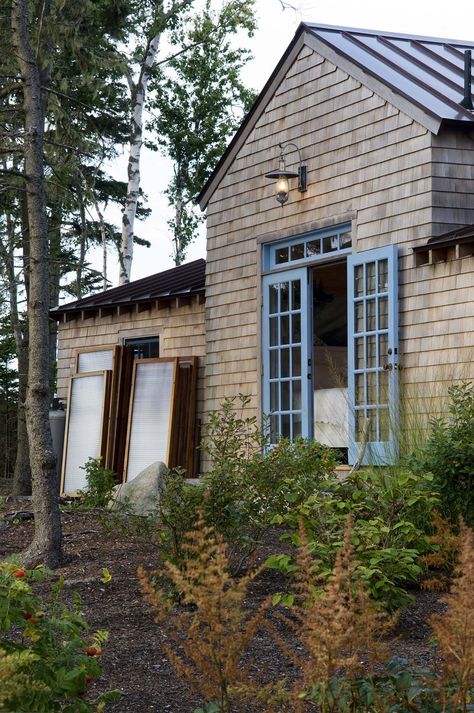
point(275, 31)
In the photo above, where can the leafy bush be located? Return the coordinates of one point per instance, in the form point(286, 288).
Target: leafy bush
point(247, 484)
point(47, 657)
point(449, 455)
point(390, 513)
point(100, 484)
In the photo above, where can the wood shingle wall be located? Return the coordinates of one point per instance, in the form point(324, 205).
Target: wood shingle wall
point(368, 163)
point(180, 329)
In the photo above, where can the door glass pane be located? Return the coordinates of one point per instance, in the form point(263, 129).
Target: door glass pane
point(359, 424)
point(284, 329)
point(285, 395)
point(372, 434)
point(281, 255)
point(274, 400)
point(273, 331)
point(371, 352)
point(383, 312)
point(296, 425)
point(370, 316)
point(371, 387)
point(383, 387)
point(384, 424)
point(359, 357)
point(370, 278)
point(285, 363)
point(358, 317)
point(296, 405)
point(296, 361)
point(296, 328)
point(273, 299)
point(383, 349)
point(274, 364)
point(359, 389)
point(274, 428)
point(284, 297)
point(295, 295)
point(359, 281)
point(297, 251)
point(383, 275)
point(286, 425)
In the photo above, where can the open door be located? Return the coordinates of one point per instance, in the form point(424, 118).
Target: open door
point(286, 355)
point(373, 355)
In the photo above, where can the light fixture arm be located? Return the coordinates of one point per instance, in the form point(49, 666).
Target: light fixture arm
point(302, 169)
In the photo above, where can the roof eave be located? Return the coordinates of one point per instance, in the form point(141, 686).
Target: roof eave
point(259, 106)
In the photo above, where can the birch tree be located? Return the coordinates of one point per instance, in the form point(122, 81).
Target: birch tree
point(199, 103)
point(152, 23)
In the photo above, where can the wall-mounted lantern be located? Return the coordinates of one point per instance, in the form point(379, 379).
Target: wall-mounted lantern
point(282, 176)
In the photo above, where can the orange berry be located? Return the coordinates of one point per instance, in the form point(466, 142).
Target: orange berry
point(19, 573)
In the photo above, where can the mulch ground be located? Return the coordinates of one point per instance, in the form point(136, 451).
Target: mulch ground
point(134, 660)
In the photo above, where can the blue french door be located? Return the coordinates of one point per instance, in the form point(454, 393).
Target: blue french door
point(286, 343)
point(373, 354)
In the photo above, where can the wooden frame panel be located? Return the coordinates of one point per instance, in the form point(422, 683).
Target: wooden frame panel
point(104, 417)
point(136, 366)
point(85, 350)
point(182, 453)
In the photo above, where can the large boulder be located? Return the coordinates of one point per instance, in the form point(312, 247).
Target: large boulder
point(141, 494)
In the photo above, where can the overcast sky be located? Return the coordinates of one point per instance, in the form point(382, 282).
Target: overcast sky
point(275, 31)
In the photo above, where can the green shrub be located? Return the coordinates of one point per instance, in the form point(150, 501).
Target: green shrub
point(47, 656)
point(177, 510)
point(449, 455)
point(390, 513)
point(100, 484)
point(247, 485)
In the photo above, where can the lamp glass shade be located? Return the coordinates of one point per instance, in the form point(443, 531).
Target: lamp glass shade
point(282, 189)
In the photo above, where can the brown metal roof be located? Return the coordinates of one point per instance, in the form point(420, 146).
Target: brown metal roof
point(427, 73)
point(188, 279)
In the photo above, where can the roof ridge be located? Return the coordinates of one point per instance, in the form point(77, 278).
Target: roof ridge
point(384, 33)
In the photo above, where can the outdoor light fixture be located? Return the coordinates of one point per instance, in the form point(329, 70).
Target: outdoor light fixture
point(282, 176)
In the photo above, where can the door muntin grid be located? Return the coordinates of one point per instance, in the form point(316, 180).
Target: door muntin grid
point(285, 358)
point(373, 358)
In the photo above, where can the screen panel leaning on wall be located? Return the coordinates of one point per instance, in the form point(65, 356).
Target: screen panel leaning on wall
point(86, 426)
point(151, 411)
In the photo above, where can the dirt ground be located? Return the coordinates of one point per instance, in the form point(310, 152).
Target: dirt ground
point(134, 660)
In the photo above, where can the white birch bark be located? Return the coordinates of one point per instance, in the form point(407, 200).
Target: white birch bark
point(138, 95)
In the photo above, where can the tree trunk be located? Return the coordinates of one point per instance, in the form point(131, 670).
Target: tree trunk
point(138, 95)
point(46, 545)
point(22, 472)
point(178, 238)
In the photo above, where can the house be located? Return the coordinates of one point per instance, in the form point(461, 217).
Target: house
point(355, 285)
point(129, 361)
point(324, 307)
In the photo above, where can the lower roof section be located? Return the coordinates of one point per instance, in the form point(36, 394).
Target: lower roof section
point(186, 280)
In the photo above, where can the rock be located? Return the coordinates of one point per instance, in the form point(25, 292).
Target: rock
point(140, 494)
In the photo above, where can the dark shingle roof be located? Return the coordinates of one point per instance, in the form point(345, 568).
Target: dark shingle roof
point(427, 71)
point(188, 279)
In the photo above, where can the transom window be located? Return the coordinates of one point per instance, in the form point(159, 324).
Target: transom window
point(310, 247)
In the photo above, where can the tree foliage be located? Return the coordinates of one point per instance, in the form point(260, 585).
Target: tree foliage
point(199, 100)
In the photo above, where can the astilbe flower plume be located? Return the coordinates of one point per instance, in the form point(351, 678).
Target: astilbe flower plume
point(339, 629)
point(206, 637)
point(454, 630)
